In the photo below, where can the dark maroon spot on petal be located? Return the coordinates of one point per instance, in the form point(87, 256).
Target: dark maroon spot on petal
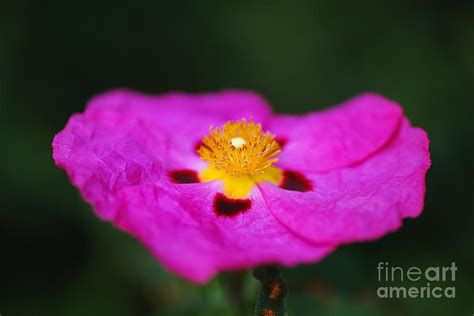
point(224, 206)
point(295, 181)
point(281, 141)
point(198, 145)
point(184, 176)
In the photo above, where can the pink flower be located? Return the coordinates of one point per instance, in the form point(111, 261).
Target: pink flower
point(234, 197)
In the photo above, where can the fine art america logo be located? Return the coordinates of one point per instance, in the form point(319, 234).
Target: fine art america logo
point(430, 282)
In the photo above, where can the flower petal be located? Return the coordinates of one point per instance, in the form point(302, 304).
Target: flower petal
point(126, 138)
point(361, 202)
point(338, 137)
point(100, 162)
point(181, 118)
point(180, 227)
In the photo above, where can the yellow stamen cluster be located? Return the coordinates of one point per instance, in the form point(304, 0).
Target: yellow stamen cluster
point(239, 148)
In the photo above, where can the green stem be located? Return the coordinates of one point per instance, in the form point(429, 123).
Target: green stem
point(273, 292)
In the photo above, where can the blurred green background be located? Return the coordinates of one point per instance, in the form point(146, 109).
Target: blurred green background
point(57, 258)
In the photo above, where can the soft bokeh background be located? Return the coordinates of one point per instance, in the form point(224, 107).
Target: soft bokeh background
point(57, 258)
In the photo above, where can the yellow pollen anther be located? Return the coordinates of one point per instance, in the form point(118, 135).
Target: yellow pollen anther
point(239, 148)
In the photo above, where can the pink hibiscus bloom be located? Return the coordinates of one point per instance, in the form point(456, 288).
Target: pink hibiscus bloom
point(200, 181)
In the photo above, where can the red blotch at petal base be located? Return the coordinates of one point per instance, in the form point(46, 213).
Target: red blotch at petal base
point(295, 181)
point(184, 176)
point(224, 206)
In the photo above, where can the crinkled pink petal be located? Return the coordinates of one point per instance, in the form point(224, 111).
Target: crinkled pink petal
point(180, 119)
point(126, 138)
point(100, 162)
point(363, 201)
point(343, 135)
point(178, 224)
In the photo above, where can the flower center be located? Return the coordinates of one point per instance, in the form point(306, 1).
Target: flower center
point(240, 155)
point(239, 148)
point(238, 142)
